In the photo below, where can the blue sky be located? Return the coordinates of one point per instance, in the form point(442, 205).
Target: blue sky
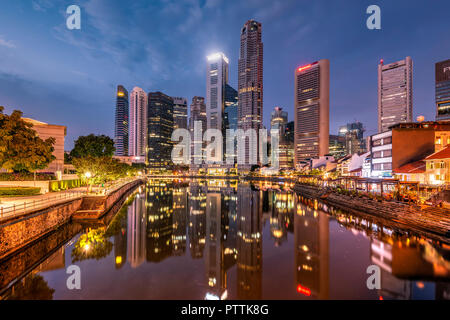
point(69, 77)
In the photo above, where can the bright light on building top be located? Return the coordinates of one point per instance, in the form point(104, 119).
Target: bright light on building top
point(216, 56)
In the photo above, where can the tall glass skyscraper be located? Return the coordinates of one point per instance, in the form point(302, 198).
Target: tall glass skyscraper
point(443, 90)
point(180, 113)
point(231, 116)
point(121, 122)
point(160, 128)
point(250, 87)
point(395, 92)
point(138, 123)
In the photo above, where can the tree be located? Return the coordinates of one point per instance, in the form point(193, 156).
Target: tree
point(20, 147)
point(94, 146)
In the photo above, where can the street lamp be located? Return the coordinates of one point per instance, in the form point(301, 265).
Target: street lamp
point(88, 175)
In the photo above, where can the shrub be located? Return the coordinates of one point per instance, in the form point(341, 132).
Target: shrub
point(66, 184)
point(19, 191)
point(26, 176)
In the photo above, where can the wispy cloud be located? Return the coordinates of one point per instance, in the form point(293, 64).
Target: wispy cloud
point(6, 43)
point(41, 5)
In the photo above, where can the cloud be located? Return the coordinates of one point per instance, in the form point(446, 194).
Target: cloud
point(6, 43)
point(41, 5)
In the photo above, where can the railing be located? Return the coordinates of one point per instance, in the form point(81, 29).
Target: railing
point(18, 209)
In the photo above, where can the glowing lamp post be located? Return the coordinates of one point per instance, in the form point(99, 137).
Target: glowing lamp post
point(88, 175)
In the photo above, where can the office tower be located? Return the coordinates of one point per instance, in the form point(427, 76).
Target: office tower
point(216, 79)
point(336, 146)
point(278, 122)
point(230, 116)
point(121, 122)
point(160, 129)
point(443, 90)
point(395, 93)
point(197, 119)
point(312, 107)
point(353, 134)
point(250, 87)
point(138, 123)
point(180, 113)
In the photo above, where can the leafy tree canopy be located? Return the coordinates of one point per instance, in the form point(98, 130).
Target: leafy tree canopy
point(20, 147)
point(94, 146)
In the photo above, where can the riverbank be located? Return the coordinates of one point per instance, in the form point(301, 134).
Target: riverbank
point(430, 222)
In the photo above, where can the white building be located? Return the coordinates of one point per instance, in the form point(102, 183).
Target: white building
point(381, 155)
point(138, 123)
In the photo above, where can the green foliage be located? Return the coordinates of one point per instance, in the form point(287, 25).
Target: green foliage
point(66, 184)
point(102, 169)
point(93, 146)
point(19, 191)
point(25, 176)
point(20, 147)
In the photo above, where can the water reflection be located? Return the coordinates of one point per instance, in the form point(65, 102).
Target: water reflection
point(237, 241)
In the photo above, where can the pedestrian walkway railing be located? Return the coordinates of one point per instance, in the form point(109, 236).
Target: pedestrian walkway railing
point(18, 208)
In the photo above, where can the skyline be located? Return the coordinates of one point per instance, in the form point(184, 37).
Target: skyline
point(49, 72)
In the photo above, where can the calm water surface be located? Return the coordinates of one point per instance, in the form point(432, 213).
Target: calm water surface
point(228, 240)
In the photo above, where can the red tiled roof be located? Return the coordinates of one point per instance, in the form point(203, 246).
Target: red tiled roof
point(443, 154)
point(413, 167)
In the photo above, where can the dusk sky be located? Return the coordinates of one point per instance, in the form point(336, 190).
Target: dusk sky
point(69, 77)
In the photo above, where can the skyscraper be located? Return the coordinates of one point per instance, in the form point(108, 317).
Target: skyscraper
point(121, 122)
point(250, 86)
point(353, 134)
point(180, 113)
point(197, 114)
point(395, 93)
point(312, 107)
point(278, 121)
point(138, 123)
point(231, 118)
point(160, 128)
point(443, 90)
point(216, 79)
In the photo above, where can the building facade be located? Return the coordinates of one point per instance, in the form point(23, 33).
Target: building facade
point(197, 119)
point(138, 123)
point(231, 118)
point(395, 93)
point(180, 117)
point(278, 121)
point(443, 90)
point(160, 128)
point(353, 134)
point(121, 122)
point(250, 87)
point(311, 107)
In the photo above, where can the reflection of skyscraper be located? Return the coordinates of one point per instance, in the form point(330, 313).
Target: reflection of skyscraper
point(214, 265)
point(197, 220)
point(282, 213)
point(311, 241)
point(249, 243)
point(137, 233)
point(160, 221)
point(179, 220)
point(120, 244)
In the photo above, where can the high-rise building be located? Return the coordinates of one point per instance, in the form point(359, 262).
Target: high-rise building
point(278, 121)
point(216, 79)
point(197, 118)
point(180, 113)
point(230, 117)
point(395, 93)
point(353, 134)
point(443, 90)
point(312, 107)
point(138, 123)
point(336, 146)
point(121, 122)
point(250, 87)
point(160, 128)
